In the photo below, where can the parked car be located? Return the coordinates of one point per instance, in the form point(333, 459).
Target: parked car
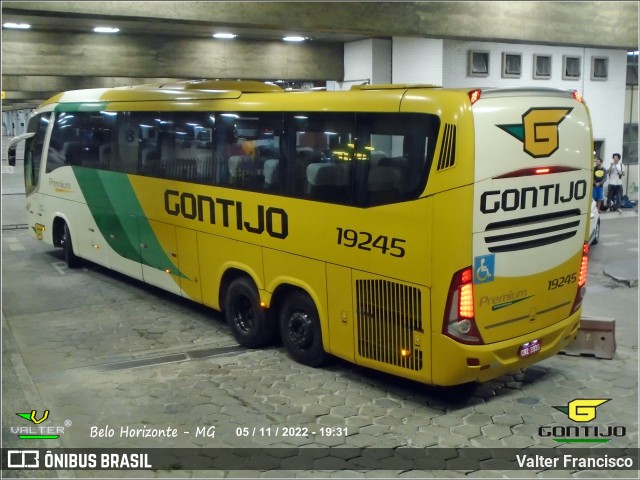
point(594, 227)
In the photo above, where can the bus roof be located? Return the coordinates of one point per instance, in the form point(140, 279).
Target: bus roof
point(203, 90)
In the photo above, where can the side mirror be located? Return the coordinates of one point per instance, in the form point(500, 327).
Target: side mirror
point(13, 143)
point(11, 153)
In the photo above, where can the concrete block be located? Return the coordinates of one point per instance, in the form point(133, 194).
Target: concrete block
point(596, 337)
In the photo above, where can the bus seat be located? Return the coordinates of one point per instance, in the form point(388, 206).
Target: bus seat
point(204, 166)
point(105, 152)
point(377, 156)
point(71, 153)
point(150, 160)
point(235, 164)
point(270, 170)
point(399, 164)
point(326, 181)
point(382, 184)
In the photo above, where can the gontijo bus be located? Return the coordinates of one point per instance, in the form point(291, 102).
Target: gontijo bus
point(435, 234)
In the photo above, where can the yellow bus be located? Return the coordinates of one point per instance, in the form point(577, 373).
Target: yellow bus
point(435, 234)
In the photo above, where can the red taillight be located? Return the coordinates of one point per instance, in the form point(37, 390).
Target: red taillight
point(459, 319)
point(577, 96)
point(465, 303)
point(582, 278)
point(474, 96)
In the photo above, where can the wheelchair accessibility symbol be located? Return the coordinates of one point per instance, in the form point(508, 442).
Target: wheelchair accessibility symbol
point(484, 268)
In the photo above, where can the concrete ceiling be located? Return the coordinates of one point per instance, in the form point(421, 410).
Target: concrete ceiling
point(156, 39)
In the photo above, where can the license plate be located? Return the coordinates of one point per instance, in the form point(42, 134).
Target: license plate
point(529, 348)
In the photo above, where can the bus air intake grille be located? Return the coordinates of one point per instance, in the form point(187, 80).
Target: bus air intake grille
point(448, 150)
point(388, 314)
point(531, 232)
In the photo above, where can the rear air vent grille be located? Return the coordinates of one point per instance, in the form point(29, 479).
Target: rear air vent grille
point(448, 150)
point(388, 314)
point(531, 232)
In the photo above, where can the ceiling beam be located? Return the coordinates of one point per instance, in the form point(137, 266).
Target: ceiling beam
point(581, 23)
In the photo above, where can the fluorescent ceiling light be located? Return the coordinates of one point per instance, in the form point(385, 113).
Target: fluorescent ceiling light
point(21, 26)
point(224, 35)
point(106, 29)
point(294, 38)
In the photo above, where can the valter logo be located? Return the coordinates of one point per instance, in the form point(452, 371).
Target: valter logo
point(582, 410)
point(37, 431)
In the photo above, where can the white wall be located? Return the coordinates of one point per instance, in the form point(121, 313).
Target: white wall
point(417, 60)
point(605, 99)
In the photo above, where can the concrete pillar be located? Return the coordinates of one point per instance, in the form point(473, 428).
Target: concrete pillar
point(365, 61)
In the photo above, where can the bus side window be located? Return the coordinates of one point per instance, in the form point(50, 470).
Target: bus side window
point(127, 145)
point(400, 154)
point(316, 140)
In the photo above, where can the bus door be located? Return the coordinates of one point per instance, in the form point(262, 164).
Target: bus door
point(170, 258)
point(159, 251)
point(341, 319)
point(532, 201)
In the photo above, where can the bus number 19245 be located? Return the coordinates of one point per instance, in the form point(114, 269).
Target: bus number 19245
point(368, 241)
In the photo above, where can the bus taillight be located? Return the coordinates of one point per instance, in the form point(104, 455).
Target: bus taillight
point(582, 278)
point(459, 321)
point(474, 95)
point(577, 96)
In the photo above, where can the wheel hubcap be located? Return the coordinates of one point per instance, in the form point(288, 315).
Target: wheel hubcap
point(300, 330)
point(244, 314)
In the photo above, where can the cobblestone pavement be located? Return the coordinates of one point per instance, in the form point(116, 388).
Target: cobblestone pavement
point(103, 351)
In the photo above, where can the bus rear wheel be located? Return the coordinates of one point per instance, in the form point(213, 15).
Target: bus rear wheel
point(247, 320)
point(300, 330)
point(71, 259)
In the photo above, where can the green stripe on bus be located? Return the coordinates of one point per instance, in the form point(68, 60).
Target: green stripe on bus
point(81, 107)
point(120, 217)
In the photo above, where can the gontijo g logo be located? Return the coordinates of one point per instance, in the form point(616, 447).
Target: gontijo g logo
point(538, 131)
point(582, 410)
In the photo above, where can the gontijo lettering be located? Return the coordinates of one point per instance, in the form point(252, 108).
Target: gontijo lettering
point(272, 220)
point(531, 197)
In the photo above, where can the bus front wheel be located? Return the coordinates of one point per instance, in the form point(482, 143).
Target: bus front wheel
point(70, 258)
point(247, 320)
point(300, 330)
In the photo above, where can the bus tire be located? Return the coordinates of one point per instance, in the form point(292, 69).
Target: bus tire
point(247, 320)
point(72, 260)
point(300, 330)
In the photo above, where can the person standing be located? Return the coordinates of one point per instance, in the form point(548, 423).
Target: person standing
point(599, 177)
point(614, 193)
